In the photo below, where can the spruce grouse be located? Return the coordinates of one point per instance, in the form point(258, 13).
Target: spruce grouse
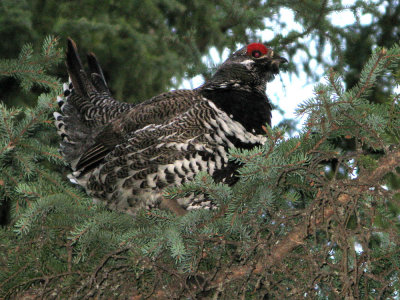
point(126, 154)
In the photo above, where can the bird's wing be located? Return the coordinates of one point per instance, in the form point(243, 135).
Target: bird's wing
point(167, 107)
point(156, 156)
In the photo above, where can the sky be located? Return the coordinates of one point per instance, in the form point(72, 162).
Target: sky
point(287, 91)
point(292, 90)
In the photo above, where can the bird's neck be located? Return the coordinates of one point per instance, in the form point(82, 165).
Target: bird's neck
point(244, 104)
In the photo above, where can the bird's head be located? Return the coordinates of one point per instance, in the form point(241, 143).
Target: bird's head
point(251, 66)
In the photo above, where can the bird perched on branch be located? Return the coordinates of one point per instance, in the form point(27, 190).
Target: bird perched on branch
point(126, 154)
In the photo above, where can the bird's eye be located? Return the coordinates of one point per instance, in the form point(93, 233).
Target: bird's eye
point(256, 53)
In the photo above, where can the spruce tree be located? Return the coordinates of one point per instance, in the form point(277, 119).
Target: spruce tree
point(313, 216)
point(289, 228)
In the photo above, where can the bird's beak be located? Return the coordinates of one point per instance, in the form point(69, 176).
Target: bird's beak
point(280, 60)
point(275, 59)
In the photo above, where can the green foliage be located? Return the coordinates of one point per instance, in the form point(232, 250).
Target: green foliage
point(29, 67)
point(157, 43)
point(286, 229)
point(138, 36)
point(26, 155)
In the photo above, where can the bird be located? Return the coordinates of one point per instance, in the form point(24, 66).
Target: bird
point(124, 155)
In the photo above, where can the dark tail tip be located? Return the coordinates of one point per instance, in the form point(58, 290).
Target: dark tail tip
point(73, 59)
point(74, 66)
point(96, 71)
point(71, 45)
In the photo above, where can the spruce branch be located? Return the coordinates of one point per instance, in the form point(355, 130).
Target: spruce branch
point(277, 253)
point(30, 68)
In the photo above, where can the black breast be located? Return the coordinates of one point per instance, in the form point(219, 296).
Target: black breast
point(251, 108)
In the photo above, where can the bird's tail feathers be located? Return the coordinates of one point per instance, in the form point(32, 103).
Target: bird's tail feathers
point(86, 107)
point(96, 72)
point(78, 76)
point(76, 134)
point(94, 98)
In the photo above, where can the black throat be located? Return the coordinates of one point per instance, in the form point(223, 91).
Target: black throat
point(249, 107)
